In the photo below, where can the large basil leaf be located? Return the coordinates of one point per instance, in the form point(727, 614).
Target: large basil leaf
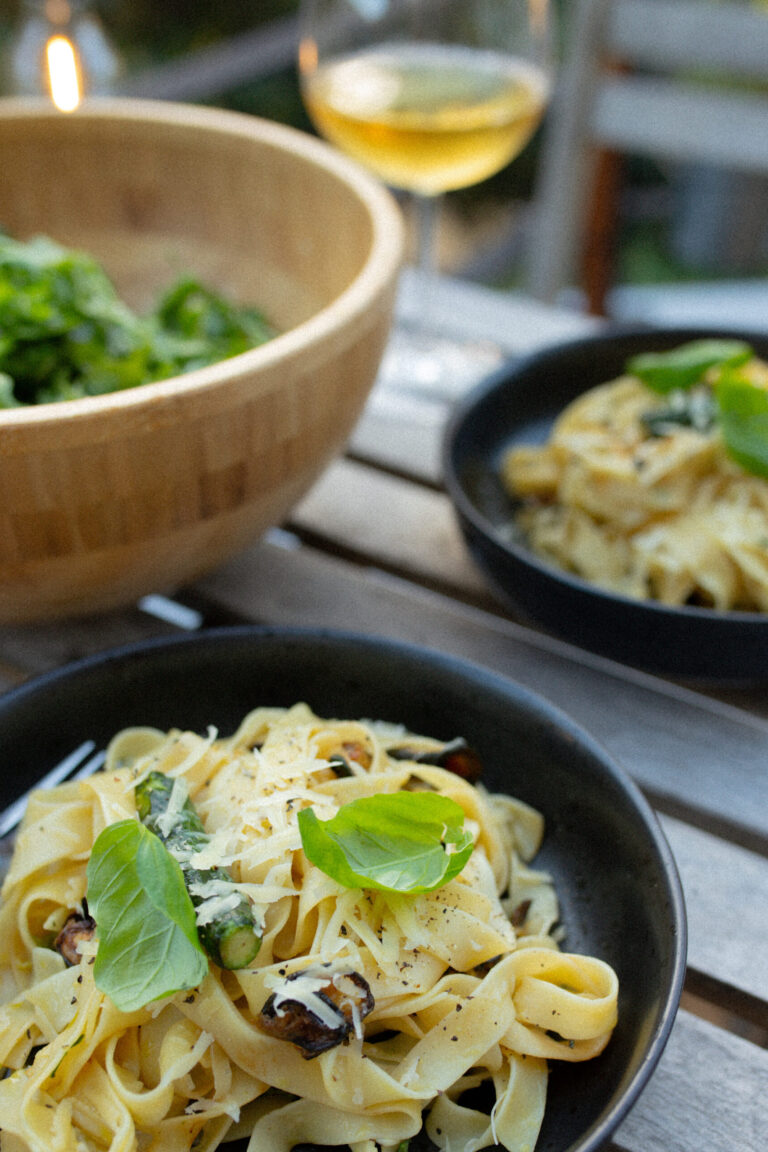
point(399, 842)
point(145, 921)
point(744, 422)
point(687, 364)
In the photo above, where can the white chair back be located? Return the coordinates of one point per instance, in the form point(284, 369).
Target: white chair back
point(679, 80)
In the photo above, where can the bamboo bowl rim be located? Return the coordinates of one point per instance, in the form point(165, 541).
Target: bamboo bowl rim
point(377, 273)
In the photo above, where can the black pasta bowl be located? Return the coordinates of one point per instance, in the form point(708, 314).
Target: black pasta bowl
point(517, 405)
point(617, 883)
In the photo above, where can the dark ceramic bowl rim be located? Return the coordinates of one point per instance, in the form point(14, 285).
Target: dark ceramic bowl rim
point(521, 552)
point(470, 673)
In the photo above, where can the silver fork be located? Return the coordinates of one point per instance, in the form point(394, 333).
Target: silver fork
point(81, 762)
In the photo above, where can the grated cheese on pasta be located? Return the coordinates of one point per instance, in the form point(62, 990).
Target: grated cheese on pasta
point(670, 517)
point(459, 994)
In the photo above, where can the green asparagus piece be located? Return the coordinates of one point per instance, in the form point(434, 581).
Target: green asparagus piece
point(232, 938)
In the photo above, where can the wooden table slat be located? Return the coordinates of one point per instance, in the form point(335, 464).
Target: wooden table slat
point(704, 757)
point(375, 548)
point(392, 523)
point(414, 531)
point(33, 649)
point(726, 895)
point(706, 1095)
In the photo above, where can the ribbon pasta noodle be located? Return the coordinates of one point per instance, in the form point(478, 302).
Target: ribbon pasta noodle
point(665, 517)
point(467, 981)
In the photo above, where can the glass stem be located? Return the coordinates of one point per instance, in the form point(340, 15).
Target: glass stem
point(427, 230)
point(427, 225)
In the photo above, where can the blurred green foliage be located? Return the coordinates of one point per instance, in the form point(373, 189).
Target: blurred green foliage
point(146, 31)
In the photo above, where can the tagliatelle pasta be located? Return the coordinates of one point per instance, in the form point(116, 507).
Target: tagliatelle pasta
point(467, 982)
point(667, 517)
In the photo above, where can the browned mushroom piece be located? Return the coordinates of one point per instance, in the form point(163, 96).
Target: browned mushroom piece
point(416, 784)
point(456, 756)
point(316, 1009)
point(350, 751)
point(519, 915)
point(77, 929)
point(340, 765)
point(486, 966)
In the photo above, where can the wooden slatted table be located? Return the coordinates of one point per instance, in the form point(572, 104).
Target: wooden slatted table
point(375, 548)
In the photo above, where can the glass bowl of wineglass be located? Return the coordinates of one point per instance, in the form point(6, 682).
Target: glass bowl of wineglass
point(432, 96)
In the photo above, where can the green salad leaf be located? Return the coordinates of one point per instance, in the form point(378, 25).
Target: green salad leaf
point(202, 321)
point(744, 422)
point(687, 364)
point(65, 333)
point(145, 921)
point(396, 842)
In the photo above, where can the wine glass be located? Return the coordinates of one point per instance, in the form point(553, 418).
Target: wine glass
point(432, 96)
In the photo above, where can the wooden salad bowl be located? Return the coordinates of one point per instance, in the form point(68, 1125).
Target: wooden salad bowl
point(107, 498)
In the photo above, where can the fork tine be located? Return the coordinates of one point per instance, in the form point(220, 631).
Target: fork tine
point(92, 764)
point(14, 812)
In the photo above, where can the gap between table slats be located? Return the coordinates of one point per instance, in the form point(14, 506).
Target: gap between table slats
point(411, 530)
point(689, 1095)
point(708, 758)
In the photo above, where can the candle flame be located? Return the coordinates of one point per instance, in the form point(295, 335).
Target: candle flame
point(307, 56)
point(63, 73)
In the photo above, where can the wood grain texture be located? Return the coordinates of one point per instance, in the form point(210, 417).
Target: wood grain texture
point(726, 890)
point(690, 753)
point(708, 1092)
point(390, 522)
point(413, 529)
point(104, 499)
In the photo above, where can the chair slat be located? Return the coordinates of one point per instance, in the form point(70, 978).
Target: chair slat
point(675, 80)
point(674, 34)
point(645, 115)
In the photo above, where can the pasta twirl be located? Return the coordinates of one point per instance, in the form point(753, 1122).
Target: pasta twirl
point(467, 982)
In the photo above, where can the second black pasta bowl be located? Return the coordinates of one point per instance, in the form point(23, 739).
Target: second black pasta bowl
point(518, 405)
point(617, 884)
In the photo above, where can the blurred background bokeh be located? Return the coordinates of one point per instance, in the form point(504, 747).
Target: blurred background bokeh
point(677, 224)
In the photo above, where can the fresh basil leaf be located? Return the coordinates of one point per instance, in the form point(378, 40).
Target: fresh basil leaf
point(744, 422)
point(396, 842)
point(687, 364)
point(145, 921)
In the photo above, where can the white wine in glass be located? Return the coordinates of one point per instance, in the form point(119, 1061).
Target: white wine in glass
point(430, 95)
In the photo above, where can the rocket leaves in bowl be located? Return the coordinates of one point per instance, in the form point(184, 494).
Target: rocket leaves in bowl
point(65, 333)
